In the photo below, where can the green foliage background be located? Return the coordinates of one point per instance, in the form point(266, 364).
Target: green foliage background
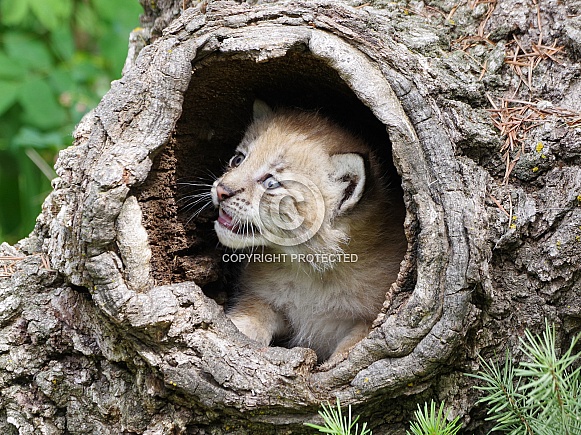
point(57, 59)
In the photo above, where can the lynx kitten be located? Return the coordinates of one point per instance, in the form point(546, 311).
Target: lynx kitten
point(307, 199)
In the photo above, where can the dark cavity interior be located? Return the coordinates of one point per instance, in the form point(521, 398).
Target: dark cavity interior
point(217, 109)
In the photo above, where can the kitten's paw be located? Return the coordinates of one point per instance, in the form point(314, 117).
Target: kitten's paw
point(342, 350)
point(334, 360)
point(250, 327)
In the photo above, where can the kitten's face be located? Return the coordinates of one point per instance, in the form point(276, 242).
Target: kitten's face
point(269, 196)
point(282, 187)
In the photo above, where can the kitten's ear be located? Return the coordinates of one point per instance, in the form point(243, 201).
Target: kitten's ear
point(260, 110)
point(349, 175)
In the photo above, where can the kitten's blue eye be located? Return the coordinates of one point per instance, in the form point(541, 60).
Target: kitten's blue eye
point(270, 183)
point(236, 160)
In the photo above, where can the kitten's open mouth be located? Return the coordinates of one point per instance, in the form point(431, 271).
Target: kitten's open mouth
point(244, 228)
point(225, 220)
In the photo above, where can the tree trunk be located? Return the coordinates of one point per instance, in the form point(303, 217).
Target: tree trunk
point(119, 334)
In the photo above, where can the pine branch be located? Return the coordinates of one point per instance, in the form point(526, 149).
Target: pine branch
point(430, 422)
point(507, 405)
point(542, 396)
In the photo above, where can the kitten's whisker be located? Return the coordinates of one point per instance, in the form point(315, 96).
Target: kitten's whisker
point(197, 195)
point(200, 196)
point(195, 184)
point(210, 173)
point(197, 213)
point(192, 204)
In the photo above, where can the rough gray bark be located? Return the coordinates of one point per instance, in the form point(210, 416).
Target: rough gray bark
point(116, 336)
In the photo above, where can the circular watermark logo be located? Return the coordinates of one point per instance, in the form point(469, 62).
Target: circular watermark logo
point(292, 213)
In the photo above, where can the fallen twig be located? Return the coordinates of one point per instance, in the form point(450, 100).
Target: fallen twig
point(7, 269)
point(514, 118)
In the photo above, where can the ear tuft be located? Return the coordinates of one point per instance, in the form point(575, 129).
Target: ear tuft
point(261, 110)
point(349, 174)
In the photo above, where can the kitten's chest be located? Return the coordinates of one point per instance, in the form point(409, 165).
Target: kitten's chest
point(299, 294)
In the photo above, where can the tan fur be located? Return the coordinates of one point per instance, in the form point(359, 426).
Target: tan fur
point(328, 307)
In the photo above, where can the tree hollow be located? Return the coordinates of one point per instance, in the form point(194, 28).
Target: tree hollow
point(180, 111)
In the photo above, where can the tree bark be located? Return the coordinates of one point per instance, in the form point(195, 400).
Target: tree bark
point(106, 324)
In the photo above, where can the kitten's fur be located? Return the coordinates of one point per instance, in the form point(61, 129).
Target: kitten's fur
point(328, 306)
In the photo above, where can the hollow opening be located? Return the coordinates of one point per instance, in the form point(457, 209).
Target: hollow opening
point(217, 109)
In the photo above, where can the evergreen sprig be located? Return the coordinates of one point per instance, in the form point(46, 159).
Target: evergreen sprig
point(430, 422)
point(338, 424)
point(542, 396)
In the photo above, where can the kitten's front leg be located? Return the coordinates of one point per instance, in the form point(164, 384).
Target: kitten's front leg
point(359, 331)
point(256, 319)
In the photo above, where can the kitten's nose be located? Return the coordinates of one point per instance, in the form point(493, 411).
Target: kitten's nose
point(223, 192)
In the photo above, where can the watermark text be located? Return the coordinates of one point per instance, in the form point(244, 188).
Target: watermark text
point(292, 258)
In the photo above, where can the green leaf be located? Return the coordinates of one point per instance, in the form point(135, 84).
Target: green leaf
point(41, 108)
point(86, 68)
point(114, 52)
point(30, 137)
point(51, 13)
point(110, 10)
point(10, 218)
point(31, 52)
point(22, 187)
point(10, 67)
point(63, 43)
point(33, 188)
point(87, 19)
point(61, 80)
point(9, 125)
point(72, 52)
point(13, 11)
point(8, 93)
